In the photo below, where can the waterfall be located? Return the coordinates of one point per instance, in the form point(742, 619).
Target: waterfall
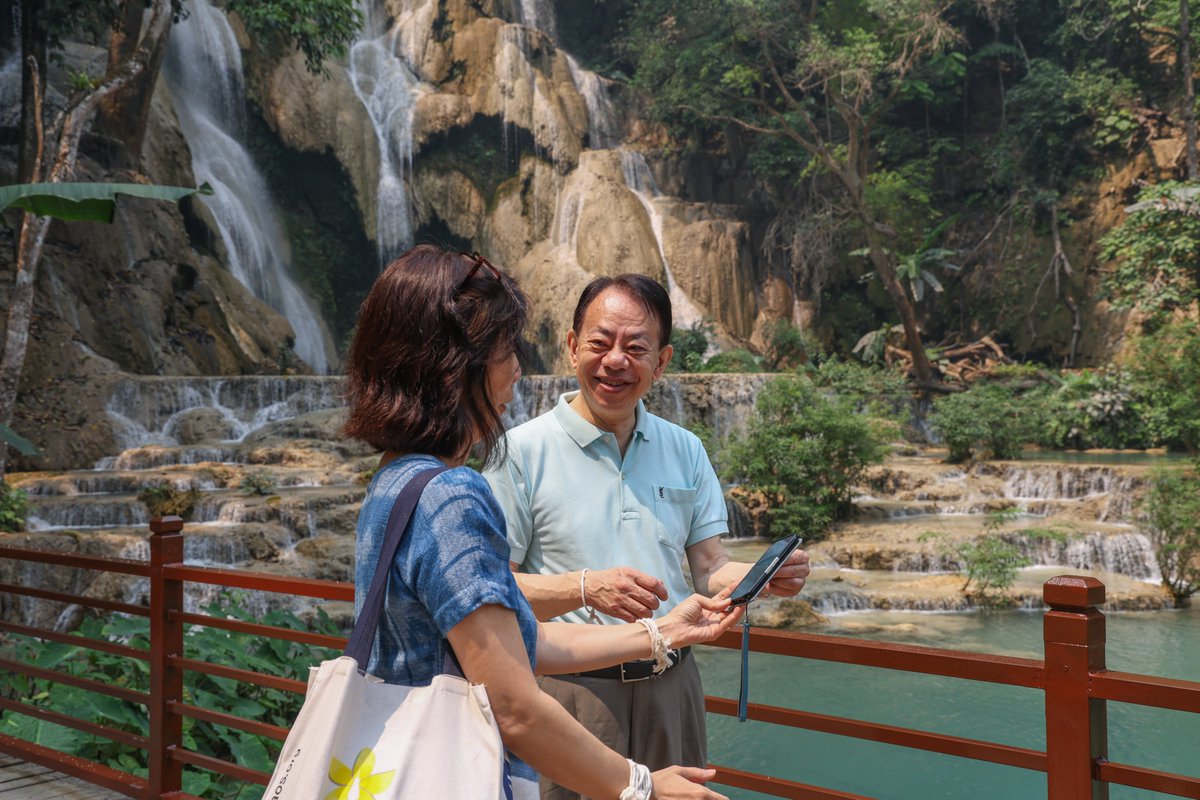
point(10, 91)
point(204, 71)
point(539, 14)
point(641, 183)
point(603, 132)
point(387, 87)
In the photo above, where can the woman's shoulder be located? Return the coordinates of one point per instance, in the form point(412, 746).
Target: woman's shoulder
point(453, 487)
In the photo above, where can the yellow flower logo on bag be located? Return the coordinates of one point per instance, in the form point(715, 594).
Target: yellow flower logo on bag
point(357, 782)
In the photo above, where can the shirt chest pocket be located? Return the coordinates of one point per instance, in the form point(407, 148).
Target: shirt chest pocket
point(673, 515)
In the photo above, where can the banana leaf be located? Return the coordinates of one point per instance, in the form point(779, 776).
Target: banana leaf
point(95, 202)
point(18, 441)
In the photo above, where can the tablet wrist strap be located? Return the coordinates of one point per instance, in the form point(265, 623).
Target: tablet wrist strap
point(744, 690)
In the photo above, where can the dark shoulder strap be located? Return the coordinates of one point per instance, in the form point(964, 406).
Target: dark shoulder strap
point(363, 635)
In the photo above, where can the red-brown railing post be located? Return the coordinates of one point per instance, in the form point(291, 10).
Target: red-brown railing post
point(1076, 724)
point(166, 639)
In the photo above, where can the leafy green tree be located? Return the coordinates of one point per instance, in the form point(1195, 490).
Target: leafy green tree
point(806, 451)
point(1172, 513)
point(807, 79)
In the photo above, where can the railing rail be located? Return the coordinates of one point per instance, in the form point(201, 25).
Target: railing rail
point(1072, 677)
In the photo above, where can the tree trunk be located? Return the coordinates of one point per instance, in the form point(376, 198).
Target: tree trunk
point(1189, 90)
point(886, 271)
point(33, 85)
point(75, 118)
point(20, 307)
point(125, 113)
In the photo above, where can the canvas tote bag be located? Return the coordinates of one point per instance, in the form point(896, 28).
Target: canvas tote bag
point(358, 738)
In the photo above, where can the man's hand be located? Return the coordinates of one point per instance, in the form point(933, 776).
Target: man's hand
point(789, 580)
point(625, 593)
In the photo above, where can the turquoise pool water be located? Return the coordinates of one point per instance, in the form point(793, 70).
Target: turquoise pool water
point(1160, 643)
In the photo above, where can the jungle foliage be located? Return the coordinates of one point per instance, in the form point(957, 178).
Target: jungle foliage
point(927, 161)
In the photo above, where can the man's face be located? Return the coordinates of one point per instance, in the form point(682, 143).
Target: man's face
point(616, 356)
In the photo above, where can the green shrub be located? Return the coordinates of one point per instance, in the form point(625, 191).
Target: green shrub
point(786, 346)
point(270, 656)
point(805, 450)
point(992, 560)
point(1097, 409)
point(878, 390)
point(1166, 366)
point(163, 500)
point(259, 482)
point(987, 417)
point(733, 361)
point(13, 504)
point(1172, 511)
point(691, 347)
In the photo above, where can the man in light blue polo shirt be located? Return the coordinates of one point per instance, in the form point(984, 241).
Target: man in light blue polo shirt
point(604, 502)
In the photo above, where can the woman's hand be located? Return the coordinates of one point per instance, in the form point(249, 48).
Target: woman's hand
point(699, 619)
point(684, 782)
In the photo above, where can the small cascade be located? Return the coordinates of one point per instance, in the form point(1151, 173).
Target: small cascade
point(97, 512)
point(539, 15)
point(566, 220)
point(1118, 490)
point(149, 411)
point(10, 91)
point(1049, 482)
point(387, 87)
point(603, 131)
point(641, 182)
point(204, 70)
point(1125, 553)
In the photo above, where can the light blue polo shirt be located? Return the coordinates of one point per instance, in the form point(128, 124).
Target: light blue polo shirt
point(570, 501)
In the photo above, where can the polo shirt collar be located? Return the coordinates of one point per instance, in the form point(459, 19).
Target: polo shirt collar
point(584, 432)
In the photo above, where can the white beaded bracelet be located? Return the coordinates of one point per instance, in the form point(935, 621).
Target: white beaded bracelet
point(640, 784)
point(658, 646)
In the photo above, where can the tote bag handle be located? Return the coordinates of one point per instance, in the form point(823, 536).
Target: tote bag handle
point(363, 635)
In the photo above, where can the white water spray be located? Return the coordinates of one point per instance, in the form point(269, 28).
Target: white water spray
point(387, 87)
point(641, 182)
point(204, 71)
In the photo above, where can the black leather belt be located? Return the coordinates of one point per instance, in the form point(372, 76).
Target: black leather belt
point(638, 670)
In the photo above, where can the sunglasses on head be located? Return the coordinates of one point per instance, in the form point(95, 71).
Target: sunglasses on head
point(478, 261)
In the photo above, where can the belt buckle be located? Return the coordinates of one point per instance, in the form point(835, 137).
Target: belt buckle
point(632, 679)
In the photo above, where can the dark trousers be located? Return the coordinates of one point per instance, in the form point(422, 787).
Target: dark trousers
point(658, 722)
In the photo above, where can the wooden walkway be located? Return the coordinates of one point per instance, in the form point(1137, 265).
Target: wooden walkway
point(20, 780)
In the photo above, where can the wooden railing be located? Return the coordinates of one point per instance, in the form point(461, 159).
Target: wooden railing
point(1072, 677)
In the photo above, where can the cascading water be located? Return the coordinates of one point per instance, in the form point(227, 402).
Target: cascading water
point(204, 71)
point(10, 91)
point(539, 14)
point(641, 182)
point(388, 89)
point(603, 131)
